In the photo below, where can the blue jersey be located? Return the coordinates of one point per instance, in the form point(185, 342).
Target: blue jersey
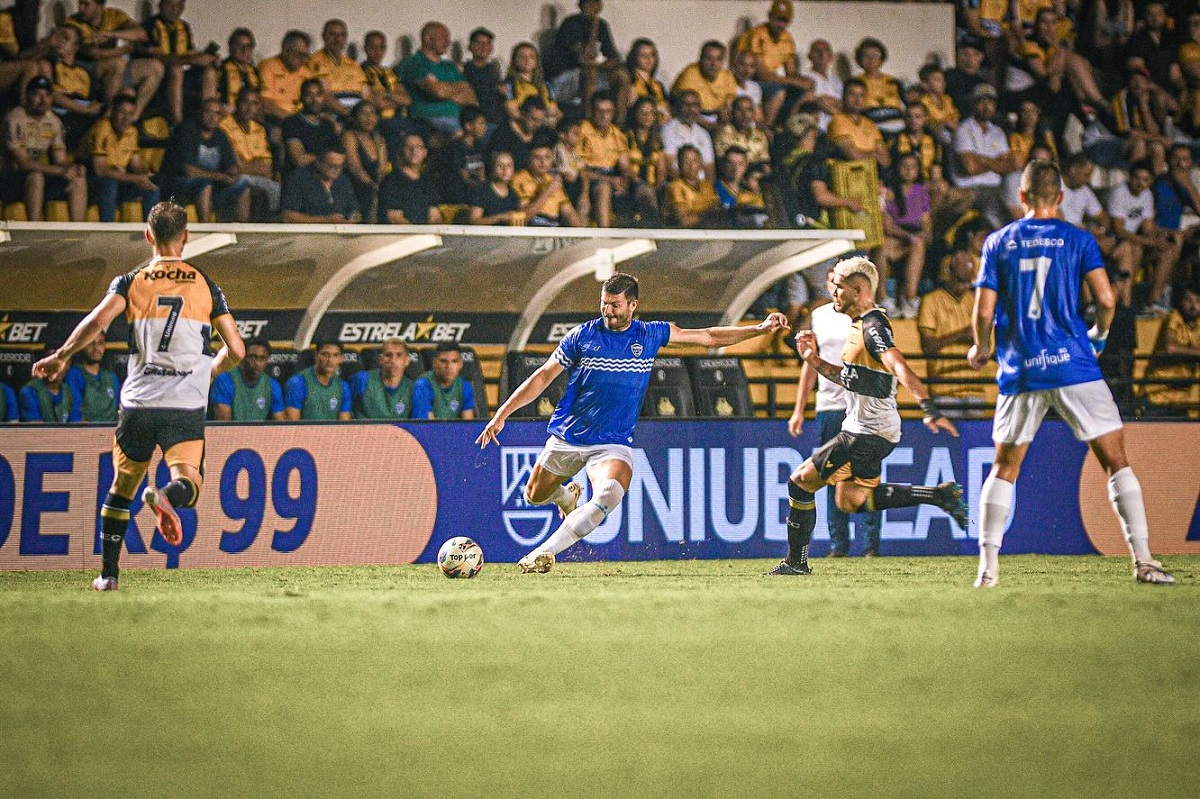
point(609, 376)
point(1036, 267)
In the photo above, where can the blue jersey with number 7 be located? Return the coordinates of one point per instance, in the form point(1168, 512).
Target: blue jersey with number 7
point(1036, 267)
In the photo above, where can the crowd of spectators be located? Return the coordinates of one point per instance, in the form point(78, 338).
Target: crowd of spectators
point(108, 114)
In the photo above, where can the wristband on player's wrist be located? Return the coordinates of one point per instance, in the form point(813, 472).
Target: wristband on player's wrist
point(930, 409)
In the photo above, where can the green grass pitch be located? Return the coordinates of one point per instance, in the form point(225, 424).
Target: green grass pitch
point(886, 677)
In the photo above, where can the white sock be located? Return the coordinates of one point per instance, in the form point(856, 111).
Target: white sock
point(995, 500)
point(575, 527)
point(1125, 493)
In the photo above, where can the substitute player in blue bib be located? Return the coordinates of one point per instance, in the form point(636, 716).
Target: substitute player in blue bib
point(1028, 288)
point(609, 360)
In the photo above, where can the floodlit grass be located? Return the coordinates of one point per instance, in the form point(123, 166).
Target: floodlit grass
point(890, 677)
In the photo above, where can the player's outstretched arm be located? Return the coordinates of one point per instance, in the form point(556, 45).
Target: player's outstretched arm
point(934, 419)
point(231, 354)
point(92, 325)
point(526, 393)
point(982, 316)
point(724, 336)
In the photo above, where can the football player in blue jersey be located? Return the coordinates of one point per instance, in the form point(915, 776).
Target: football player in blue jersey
point(609, 360)
point(871, 367)
point(1028, 288)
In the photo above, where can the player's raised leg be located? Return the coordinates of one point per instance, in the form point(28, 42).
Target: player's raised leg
point(545, 486)
point(610, 480)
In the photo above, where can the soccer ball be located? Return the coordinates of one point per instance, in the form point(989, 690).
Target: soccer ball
point(460, 557)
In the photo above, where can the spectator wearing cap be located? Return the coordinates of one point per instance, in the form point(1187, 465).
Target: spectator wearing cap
point(827, 88)
point(482, 71)
point(34, 165)
point(966, 74)
point(713, 84)
point(778, 67)
point(804, 179)
point(438, 87)
point(981, 149)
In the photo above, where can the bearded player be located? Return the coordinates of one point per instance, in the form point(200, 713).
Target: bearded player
point(172, 308)
point(609, 360)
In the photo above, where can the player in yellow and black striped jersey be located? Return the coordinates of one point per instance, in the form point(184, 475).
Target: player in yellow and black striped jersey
point(172, 308)
point(853, 459)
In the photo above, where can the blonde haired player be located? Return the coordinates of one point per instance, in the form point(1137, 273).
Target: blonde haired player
point(172, 308)
point(853, 459)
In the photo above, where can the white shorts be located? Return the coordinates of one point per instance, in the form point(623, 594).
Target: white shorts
point(565, 460)
point(1087, 407)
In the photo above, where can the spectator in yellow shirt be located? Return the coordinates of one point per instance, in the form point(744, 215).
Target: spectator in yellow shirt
point(171, 43)
point(778, 67)
point(108, 36)
point(344, 79)
point(249, 141)
point(712, 82)
point(883, 104)
point(118, 173)
point(283, 75)
point(1176, 358)
point(540, 189)
point(691, 201)
point(605, 152)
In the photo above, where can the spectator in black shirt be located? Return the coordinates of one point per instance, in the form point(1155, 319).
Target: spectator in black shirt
point(495, 203)
point(968, 73)
point(1154, 48)
point(200, 167)
point(408, 196)
point(320, 193)
point(466, 158)
point(515, 137)
point(582, 58)
point(308, 132)
point(483, 73)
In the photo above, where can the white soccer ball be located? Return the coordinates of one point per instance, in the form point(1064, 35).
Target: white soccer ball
point(460, 557)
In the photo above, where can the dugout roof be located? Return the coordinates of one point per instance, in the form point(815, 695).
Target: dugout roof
point(522, 273)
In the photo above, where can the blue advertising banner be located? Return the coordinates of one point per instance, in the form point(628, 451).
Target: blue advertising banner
point(350, 493)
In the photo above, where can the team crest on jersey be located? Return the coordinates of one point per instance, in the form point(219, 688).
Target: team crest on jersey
point(637, 350)
point(333, 403)
point(261, 402)
point(454, 405)
point(526, 524)
point(400, 408)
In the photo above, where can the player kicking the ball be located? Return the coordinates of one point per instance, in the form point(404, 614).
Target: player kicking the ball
point(609, 360)
point(853, 459)
point(171, 307)
point(1029, 287)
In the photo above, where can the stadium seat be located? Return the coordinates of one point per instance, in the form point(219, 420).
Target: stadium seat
point(16, 367)
point(669, 395)
point(517, 367)
point(720, 387)
point(283, 364)
point(117, 362)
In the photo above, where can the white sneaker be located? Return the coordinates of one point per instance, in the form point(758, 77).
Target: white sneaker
point(889, 306)
point(104, 584)
point(537, 563)
point(910, 308)
point(575, 490)
point(986, 579)
point(1151, 571)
